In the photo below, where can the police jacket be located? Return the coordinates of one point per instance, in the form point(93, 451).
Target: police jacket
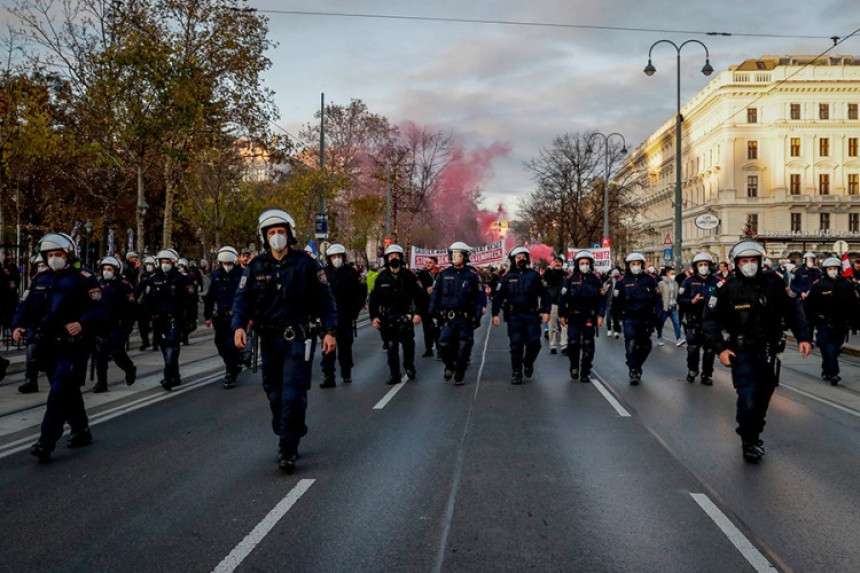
point(521, 292)
point(170, 295)
point(803, 279)
point(131, 274)
point(459, 290)
point(831, 302)
point(280, 293)
point(348, 291)
point(694, 286)
point(58, 298)
point(753, 313)
point(118, 296)
point(218, 301)
point(636, 297)
point(396, 294)
point(581, 297)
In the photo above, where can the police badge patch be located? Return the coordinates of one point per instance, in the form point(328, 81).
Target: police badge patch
point(95, 293)
point(712, 302)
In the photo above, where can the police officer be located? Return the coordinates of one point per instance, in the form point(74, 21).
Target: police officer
point(282, 291)
point(191, 311)
point(349, 296)
point(636, 298)
point(457, 302)
point(395, 306)
point(144, 319)
point(830, 305)
point(804, 275)
point(693, 297)
point(168, 296)
point(63, 310)
point(752, 307)
point(524, 297)
point(427, 278)
point(32, 368)
point(581, 306)
point(118, 296)
point(218, 310)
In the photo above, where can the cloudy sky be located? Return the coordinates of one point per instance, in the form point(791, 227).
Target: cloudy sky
point(522, 85)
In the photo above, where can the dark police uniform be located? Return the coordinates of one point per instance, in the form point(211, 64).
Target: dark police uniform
point(523, 295)
point(429, 326)
point(168, 296)
point(830, 305)
point(705, 287)
point(636, 298)
point(803, 279)
point(118, 296)
point(218, 307)
point(580, 301)
point(458, 302)
point(349, 296)
point(753, 312)
point(281, 298)
point(395, 299)
point(55, 299)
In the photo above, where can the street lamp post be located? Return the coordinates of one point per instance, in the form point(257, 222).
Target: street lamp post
point(649, 71)
point(606, 139)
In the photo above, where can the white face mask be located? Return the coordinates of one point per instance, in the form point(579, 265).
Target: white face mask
point(150, 267)
point(704, 270)
point(337, 262)
point(107, 274)
point(166, 267)
point(278, 242)
point(635, 269)
point(833, 273)
point(809, 263)
point(750, 269)
point(227, 267)
point(456, 258)
point(41, 269)
point(57, 263)
point(584, 267)
point(671, 276)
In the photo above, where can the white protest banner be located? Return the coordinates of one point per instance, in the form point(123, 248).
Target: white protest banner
point(492, 254)
point(602, 258)
point(419, 256)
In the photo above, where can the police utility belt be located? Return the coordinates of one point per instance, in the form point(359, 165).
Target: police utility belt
point(452, 314)
point(290, 333)
point(523, 310)
point(221, 313)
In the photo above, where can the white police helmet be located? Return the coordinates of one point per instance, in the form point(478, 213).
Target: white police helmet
point(276, 218)
point(227, 255)
point(111, 261)
point(831, 262)
point(394, 248)
point(703, 258)
point(168, 254)
point(583, 254)
point(58, 242)
point(809, 255)
point(512, 256)
point(182, 263)
point(634, 257)
point(462, 247)
point(149, 260)
point(336, 249)
point(746, 248)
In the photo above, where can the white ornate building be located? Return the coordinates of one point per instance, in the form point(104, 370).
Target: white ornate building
point(770, 148)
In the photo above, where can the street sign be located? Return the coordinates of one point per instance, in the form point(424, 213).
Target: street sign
point(707, 221)
point(321, 226)
point(595, 245)
point(840, 247)
point(667, 240)
point(667, 254)
point(606, 243)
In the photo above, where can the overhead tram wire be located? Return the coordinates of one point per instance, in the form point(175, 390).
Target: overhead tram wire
point(483, 21)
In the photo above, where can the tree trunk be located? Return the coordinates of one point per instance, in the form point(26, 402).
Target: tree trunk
point(140, 202)
point(169, 199)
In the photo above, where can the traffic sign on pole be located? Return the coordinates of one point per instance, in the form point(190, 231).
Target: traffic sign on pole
point(667, 240)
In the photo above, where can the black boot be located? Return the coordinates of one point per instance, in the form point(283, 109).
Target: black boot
point(80, 439)
point(101, 386)
point(752, 450)
point(574, 373)
point(28, 387)
point(328, 381)
point(41, 451)
point(517, 377)
point(131, 376)
point(4, 365)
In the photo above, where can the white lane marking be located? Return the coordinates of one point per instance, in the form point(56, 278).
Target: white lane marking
point(241, 551)
point(822, 400)
point(25, 443)
point(596, 382)
point(391, 393)
point(738, 539)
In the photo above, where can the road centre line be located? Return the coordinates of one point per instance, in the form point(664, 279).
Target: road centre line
point(247, 545)
point(821, 400)
point(391, 393)
point(758, 561)
point(599, 384)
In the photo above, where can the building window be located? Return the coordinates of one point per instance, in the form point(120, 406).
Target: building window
point(852, 147)
point(824, 184)
point(795, 147)
point(853, 184)
point(752, 115)
point(752, 149)
point(854, 222)
point(752, 224)
point(795, 183)
point(824, 111)
point(824, 222)
point(824, 147)
point(795, 111)
point(852, 111)
point(796, 225)
point(752, 186)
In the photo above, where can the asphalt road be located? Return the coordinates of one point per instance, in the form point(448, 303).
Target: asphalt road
point(427, 476)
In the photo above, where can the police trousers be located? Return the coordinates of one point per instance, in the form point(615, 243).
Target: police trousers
point(225, 345)
point(112, 346)
point(524, 335)
point(580, 345)
point(637, 341)
point(695, 346)
point(830, 342)
point(754, 380)
point(287, 371)
point(66, 367)
point(343, 354)
point(456, 338)
point(398, 330)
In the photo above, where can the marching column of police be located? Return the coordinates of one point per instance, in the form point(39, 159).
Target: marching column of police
point(289, 302)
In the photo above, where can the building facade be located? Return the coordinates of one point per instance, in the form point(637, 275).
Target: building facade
point(770, 150)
